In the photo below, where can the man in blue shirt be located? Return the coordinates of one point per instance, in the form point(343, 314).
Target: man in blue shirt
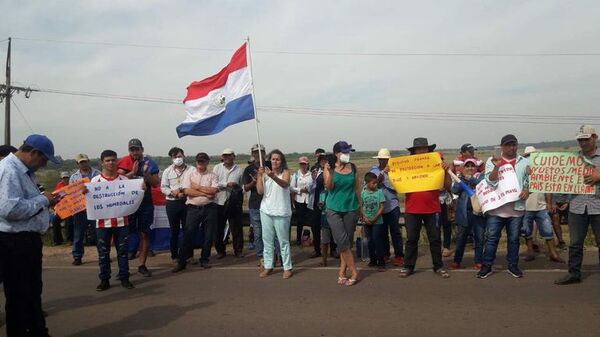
point(24, 217)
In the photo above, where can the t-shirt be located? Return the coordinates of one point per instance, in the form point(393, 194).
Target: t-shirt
point(427, 202)
point(371, 203)
point(112, 222)
point(255, 198)
point(536, 202)
point(126, 164)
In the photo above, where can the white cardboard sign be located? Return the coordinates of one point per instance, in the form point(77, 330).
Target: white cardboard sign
point(506, 191)
point(113, 199)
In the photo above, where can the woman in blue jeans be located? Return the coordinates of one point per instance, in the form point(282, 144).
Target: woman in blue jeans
point(467, 218)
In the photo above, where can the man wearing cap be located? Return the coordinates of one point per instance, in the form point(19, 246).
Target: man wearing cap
point(421, 209)
point(249, 184)
point(300, 182)
point(509, 215)
point(135, 165)
point(80, 220)
point(584, 209)
point(467, 151)
point(24, 217)
point(391, 207)
point(229, 204)
point(201, 187)
point(57, 238)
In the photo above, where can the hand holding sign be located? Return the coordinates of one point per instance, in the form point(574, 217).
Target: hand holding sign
point(592, 177)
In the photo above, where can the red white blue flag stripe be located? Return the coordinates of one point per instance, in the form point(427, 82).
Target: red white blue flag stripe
point(219, 101)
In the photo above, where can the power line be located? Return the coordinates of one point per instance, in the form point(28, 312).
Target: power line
point(318, 53)
point(23, 116)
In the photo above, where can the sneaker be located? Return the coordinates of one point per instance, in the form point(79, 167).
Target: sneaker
point(484, 271)
point(567, 279)
point(104, 285)
point(77, 262)
point(455, 266)
point(406, 272)
point(442, 272)
point(144, 271)
point(398, 261)
point(514, 270)
point(126, 284)
point(178, 268)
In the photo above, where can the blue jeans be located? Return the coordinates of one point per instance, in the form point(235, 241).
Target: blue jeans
point(272, 227)
point(476, 224)
point(544, 222)
point(120, 237)
point(257, 228)
point(578, 229)
point(390, 221)
point(377, 236)
point(80, 224)
point(493, 234)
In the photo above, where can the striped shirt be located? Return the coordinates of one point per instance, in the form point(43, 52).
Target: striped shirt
point(588, 203)
point(113, 222)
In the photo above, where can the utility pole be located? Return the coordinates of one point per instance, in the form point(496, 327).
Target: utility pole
point(6, 93)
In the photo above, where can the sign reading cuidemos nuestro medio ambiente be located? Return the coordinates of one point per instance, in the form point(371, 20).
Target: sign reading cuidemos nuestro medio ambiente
point(416, 173)
point(559, 172)
point(507, 189)
point(113, 199)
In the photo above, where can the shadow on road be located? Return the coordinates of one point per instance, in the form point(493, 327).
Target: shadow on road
point(144, 320)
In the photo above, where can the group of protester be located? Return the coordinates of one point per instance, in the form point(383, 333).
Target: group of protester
point(331, 196)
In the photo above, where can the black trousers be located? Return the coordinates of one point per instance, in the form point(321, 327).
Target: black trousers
point(316, 229)
point(196, 215)
point(21, 269)
point(414, 222)
point(234, 215)
point(176, 212)
point(57, 237)
point(302, 219)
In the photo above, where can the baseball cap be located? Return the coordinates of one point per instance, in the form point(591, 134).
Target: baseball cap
point(42, 144)
point(228, 151)
point(508, 139)
point(303, 160)
point(64, 174)
point(255, 147)
point(585, 132)
point(472, 161)
point(202, 157)
point(343, 147)
point(467, 147)
point(134, 142)
point(81, 157)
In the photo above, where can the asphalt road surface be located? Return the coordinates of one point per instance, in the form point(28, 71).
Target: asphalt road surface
point(231, 300)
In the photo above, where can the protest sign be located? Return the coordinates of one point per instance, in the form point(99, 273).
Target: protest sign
point(559, 172)
point(113, 199)
point(416, 173)
point(506, 191)
point(73, 200)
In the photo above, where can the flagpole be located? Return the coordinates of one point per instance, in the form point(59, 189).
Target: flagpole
point(249, 59)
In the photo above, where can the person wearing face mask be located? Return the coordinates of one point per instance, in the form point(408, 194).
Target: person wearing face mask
point(171, 185)
point(468, 216)
point(343, 211)
point(24, 217)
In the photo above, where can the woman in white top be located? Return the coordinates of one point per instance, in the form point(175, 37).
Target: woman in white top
point(275, 211)
point(299, 184)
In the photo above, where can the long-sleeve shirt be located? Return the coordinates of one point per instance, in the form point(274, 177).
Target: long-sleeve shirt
point(78, 175)
point(299, 181)
point(389, 192)
point(172, 180)
point(22, 207)
point(226, 176)
point(590, 203)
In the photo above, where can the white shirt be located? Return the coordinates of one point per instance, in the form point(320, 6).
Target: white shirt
point(172, 179)
point(276, 199)
point(225, 175)
point(299, 181)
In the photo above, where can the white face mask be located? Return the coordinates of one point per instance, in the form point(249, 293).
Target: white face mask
point(178, 161)
point(344, 158)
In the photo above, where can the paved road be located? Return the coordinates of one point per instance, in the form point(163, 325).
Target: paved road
point(230, 300)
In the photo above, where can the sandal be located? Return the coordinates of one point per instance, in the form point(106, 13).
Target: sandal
point(350, 282)
point(342, 280)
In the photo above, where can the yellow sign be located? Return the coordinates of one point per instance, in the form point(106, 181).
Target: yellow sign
point(417, 173)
